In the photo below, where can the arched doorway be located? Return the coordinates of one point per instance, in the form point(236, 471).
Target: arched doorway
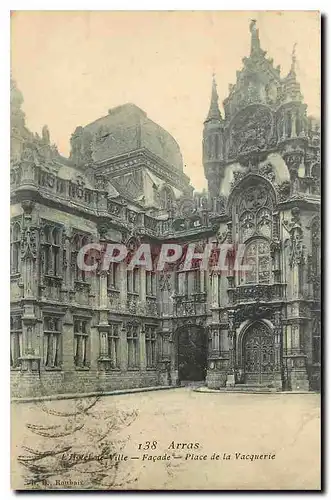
point(191, 353)
point(258, 354)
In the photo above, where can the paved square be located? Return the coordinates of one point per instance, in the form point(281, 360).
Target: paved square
point(173, 439)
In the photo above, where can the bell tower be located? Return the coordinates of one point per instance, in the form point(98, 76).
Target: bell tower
point(213, 143)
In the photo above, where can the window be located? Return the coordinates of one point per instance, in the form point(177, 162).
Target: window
point(133, 346)
point(15, 341)
point(109, 343)
point(52, 342)
point(197, 281)
point(257, 257)
point(81, 343)
point(150, 341)
point(79, 241)
point(133, 280)
point(182, 282)
point(113, 276)
point(150, 283)
point(50, 250)
point(166, 198)
point(15, 245)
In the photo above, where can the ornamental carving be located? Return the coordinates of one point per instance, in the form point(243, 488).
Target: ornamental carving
point(165, 281)
point(29, 243)
point(251, 131)
point(296, 239)
point(252, 312)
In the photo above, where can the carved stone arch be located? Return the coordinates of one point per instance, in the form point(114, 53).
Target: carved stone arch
point(256, 351)
point(250, 181)
point(242, 328)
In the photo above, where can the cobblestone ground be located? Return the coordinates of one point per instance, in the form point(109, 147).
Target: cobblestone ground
point(50, 438)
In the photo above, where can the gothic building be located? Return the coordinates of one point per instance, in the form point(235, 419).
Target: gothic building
point(73, 331)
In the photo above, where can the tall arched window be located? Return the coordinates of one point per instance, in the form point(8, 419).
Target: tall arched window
point(50, 250)
point(254, 208)
point(15, 243)
point(257, 257)
point(254, 227)
point(79, 241)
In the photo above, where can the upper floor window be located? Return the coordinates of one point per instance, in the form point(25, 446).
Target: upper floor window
point(133, 280)
point(113, 276)
point(79, 241)
point(257, 257)
point(50, 250)
point(150, 283)
point(15, 245)
point(166, 197)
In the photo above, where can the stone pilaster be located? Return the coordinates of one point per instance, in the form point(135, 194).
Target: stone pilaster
point(142, 349)
point(29, 247)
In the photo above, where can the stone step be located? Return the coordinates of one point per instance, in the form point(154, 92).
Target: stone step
point(251, 388)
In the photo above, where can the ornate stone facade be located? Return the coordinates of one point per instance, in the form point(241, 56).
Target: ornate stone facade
point(75, 332)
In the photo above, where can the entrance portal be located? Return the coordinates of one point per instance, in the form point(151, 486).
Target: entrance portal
point(259, 354)
point(192, 354)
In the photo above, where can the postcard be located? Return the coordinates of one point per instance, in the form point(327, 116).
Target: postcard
point(165, 243)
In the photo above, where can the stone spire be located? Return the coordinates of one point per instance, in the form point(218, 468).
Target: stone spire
point(294, 60)
point(214, 111)
point(292, 86)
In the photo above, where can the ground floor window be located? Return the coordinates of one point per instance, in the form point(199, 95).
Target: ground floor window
point(112, 347)
point(132, 337)
point(150, 341)
point(15, 341)
point(81, 343)
point(52, 342)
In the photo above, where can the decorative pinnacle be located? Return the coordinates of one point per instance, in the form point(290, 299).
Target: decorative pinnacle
point(294, 59)
point(255, 40)
point(214, 112)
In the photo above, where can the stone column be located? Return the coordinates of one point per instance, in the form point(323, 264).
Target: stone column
point(232, 342)
point(123, 349)
point(277, 341)
point(123, 286)
point(214, 289)
point(296, 360)
point(142, 290)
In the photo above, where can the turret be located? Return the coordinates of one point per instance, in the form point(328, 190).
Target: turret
point(213, 143)
point(294, 119)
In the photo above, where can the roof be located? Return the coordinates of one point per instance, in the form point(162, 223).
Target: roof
point(127, 128)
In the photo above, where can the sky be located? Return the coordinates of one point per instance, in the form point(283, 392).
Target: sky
point(72, 66)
